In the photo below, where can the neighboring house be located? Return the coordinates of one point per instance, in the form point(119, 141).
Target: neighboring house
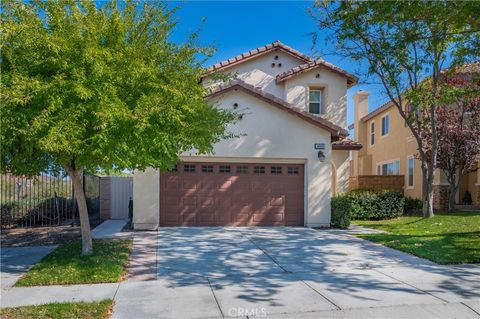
point(389, 148)
point(291, 156)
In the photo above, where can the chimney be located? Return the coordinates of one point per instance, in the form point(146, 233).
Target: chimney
point(360, 104)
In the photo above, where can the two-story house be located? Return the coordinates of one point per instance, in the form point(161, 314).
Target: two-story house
point(291, 153)
point(390, 149)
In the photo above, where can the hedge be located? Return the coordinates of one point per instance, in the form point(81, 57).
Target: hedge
point(366, 204)
point(376, 204)
point(341, 206)
point(412, 204)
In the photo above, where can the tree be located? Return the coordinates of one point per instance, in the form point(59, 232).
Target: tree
point(458, 127)
point(91, 87)
point(404, 43)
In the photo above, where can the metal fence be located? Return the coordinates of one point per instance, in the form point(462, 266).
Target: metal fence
point(44, 200)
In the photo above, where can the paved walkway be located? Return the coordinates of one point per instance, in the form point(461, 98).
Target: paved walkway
point(281, 273)
point(111, 228)
point(15, 261)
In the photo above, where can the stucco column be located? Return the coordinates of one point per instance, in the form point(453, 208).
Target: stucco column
point(146, 199)
point(360, 101)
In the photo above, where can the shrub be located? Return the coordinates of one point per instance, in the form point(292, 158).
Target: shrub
point(341, 206)
point(376, 204)
point(412, 204)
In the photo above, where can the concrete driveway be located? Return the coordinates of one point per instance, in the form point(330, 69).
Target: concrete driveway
point(294, 273)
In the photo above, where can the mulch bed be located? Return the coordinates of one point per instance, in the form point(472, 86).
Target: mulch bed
point(41, 236)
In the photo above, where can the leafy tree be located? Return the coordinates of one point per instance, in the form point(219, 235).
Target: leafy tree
point(458, 126)
point(89, 86)
point(404, 43)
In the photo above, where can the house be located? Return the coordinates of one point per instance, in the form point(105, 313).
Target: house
point(390, 149)
point(291, 154)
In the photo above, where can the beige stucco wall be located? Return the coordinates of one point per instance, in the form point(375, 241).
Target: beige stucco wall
point(341, 165)
point(266, 134)
point(398, 144)
point(260, 73)
point(146, 199)
point(334, 87)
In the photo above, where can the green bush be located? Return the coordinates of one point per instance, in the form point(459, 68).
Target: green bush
point(412, 204)
point(376, 204)
point(341, 206)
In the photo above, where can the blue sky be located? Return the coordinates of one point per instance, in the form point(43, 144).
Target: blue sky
point(234, 27)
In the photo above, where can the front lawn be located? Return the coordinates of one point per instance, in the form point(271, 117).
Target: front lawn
point(446, 238)
point(87, 310)
point(66, 266)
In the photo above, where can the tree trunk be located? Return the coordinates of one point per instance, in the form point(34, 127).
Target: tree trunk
point(75, 175)
point(452, 197)
point(427, 192)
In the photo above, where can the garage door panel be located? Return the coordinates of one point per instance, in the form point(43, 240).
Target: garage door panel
point(215, 195)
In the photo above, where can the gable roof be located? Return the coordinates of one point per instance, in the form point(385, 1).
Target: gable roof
point(377, 111)
point(351, 79)
point(277, 45)
point(335, 130)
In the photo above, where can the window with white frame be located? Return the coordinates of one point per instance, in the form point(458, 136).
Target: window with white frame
point(315, 101)
point(389, 168)
point(372, 133)
point(411, 168)
point(385, 125)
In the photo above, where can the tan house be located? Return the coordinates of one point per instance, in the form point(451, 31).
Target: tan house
point(291, 153)
point(390, 149)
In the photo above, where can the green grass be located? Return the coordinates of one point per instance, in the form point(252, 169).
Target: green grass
point(66, 266)
point(446, 238)
point(86, 310)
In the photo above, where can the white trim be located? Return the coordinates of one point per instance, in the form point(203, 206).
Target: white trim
point(381, 125)
point(322, 89)
point(390, 161)
point(409, 157)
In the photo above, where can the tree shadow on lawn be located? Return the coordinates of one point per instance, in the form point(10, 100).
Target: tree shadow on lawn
point(448, 248)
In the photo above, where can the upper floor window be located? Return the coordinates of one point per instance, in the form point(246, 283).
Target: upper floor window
point(315, 101)
point(385, 125)
point(411, 166)
point(372, 133)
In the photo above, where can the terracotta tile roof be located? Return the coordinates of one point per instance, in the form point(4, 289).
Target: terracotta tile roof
point(335, 130)
point(351, 79)
point(346, 144)
point(277, 45)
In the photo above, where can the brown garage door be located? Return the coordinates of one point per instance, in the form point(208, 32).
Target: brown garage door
point(229, 194)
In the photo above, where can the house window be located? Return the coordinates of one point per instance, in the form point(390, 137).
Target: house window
point(224, 169)
point(189, 168)
point(174, 168)
point(411, 164)
point(207, 168)
point(389, 168)
point(276, 170)
point(315, 101)
point(259, 169)
point(372, 133)
point(385, 125)
point(242, 169)
point(292, 170)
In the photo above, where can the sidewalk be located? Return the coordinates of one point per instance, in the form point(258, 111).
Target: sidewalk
point(111, 228)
